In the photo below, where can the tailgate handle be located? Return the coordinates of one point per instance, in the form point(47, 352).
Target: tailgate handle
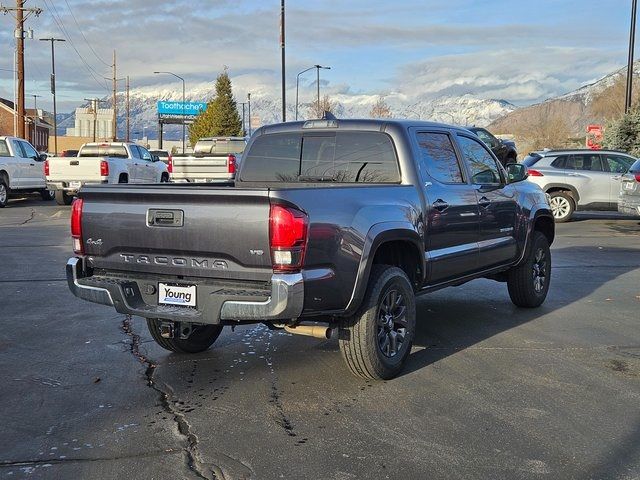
point(74, 162)
point(165, 218)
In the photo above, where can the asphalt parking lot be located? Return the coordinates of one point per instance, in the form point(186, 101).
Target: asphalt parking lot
point(491, 391)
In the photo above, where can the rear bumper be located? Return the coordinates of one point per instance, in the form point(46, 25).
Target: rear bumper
point(282, 300)
point(64, 186)
point(629, 205)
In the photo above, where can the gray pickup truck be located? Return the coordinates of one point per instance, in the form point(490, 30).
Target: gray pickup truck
point(330, 226)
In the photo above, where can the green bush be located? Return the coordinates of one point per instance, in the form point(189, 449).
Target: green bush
point(624, 133)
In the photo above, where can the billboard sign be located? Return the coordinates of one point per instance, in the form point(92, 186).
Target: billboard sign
point(178, 108)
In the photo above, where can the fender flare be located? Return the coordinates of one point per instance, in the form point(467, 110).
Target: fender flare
point(377, 235)
point(539, 210)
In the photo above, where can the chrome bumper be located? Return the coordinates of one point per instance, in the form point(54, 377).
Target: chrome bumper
point(285, 301)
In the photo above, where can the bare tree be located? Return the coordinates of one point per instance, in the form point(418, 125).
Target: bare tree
point(326, 105)
point(609, 103)
point(380, 109)
point(548, 128)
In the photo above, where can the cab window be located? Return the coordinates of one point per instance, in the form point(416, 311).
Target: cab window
point(438, 157)
point(483, 167)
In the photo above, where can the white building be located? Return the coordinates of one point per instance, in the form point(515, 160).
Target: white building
point(86, 119)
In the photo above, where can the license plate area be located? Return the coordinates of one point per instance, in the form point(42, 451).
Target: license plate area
point(627, 185)
point(75, 184)
point(177, 294)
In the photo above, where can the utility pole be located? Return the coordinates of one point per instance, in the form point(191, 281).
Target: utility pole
point(249, 105)
point(128, 111)
point(284, 100)
point(244, 132)
point(94, 107)
point(20, 17)
point(34, 139)
point(115, 108)
point(632, 41)
point(53, 89)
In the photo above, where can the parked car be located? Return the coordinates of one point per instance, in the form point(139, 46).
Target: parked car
point(21, 169)
point(336, 222)
point(163, 155)
point(629, 199)
point(213, 159)
point(114, 162)
point(579, 179)
point(505, 150)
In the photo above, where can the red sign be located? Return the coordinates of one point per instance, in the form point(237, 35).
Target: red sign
point(594, 137)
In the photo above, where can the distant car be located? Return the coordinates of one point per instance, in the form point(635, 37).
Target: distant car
point(69, 153)
point(579, 179)
point(505, 150)
point(214, 159)
point(629, 199)
point(163, 155)
point(21, 169)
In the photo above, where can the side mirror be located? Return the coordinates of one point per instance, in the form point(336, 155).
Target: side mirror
point(517, 172)
point(155, 158)
point(42, 157)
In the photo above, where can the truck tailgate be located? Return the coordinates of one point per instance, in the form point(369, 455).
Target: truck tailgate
point(180, 230)
point(85, 169)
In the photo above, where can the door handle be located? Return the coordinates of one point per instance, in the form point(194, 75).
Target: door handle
point(440, 205)
point(617, 177)
point(484, 202)
point(32, 164)
point(572, 175)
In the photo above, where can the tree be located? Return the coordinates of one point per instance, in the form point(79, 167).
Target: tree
point(380, 109)
point(326, 105)
point(547, 128)
point(221, 118)
point(624, 133)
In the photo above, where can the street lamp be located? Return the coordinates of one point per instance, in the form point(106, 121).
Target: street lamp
point(53, 89)
point(317, 67)
point(178, 76)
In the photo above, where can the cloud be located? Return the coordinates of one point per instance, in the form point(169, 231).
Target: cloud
point(517, 75)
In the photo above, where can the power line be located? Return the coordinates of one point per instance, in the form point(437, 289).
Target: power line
point(85, 38)
point(60, 25)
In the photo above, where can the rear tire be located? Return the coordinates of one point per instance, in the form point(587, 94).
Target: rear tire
point(376, 341)
point(562, 206)
point(123, 178)
point(529, 282)
point(201, 338)
point(63, 198)
point(47, 195)
point(4, 192)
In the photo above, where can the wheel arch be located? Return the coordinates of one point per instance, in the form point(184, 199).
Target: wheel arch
point(563, 187)
point(392, 243)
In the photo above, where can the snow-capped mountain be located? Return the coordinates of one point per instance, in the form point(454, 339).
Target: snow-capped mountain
point(266, 108)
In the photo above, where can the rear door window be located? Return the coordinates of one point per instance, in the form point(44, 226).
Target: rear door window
point(438, 157)
point(585, 162)
point(4, 149)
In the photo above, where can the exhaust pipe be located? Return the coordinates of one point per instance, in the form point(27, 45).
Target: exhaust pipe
point(315, 331)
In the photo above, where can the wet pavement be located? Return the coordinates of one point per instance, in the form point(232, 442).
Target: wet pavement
point(490, 391)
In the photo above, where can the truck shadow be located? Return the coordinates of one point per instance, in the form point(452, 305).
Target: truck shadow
point(454, 319)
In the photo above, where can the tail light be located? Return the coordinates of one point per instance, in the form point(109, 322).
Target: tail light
point(104, 168)
point(170, 164)
point(535, 173)
point(637, 176)
point(46, 168)
point(231, 164)
point(288, 229)
point(76, 225)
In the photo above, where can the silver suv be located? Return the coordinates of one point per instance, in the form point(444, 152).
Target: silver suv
point(579, 179)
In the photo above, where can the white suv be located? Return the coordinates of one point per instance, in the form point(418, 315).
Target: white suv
point(21, 169)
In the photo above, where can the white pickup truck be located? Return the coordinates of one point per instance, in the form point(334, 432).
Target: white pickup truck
point(21, 169)
point(115, 162)
point(213, 159)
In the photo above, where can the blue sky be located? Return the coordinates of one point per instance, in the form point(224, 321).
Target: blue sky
point(522, 52)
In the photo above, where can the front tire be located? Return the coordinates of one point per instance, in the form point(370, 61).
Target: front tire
point(529, 282)
point(47, 195)
point(4, 192)
point(376, 341)
point(63, 198)
point(562, 206)
point(200, 339)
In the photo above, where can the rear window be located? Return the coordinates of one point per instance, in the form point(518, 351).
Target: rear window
point(220, 146)
point(531, 159)
point(635, 167)
point(118, 151)
point(341, 157)
point(4, 149)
